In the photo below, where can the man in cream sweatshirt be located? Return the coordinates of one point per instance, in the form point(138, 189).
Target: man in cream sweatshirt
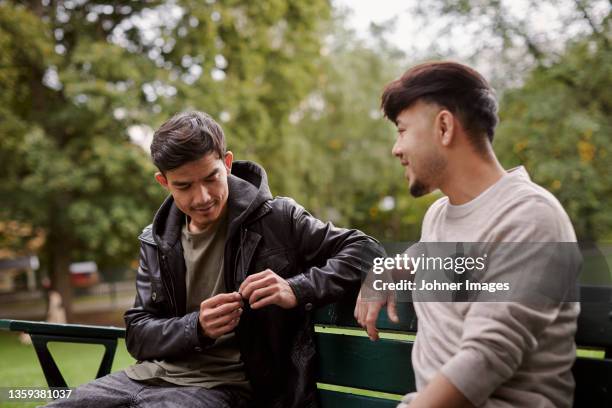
point(484, 354)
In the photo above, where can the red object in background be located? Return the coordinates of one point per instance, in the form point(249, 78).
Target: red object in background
point(84, 280)
point(84, 274)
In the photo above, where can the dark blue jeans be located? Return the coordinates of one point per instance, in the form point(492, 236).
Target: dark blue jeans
point(118, 390)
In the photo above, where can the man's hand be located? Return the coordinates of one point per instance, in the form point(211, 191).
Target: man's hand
point(267, 288)
point(220, 314)
point(441, 393)
point(366, 313)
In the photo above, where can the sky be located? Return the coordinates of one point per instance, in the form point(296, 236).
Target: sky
point(415, 36)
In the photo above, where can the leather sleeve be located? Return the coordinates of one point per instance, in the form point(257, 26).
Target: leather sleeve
point(340, 257)
point(150, 333)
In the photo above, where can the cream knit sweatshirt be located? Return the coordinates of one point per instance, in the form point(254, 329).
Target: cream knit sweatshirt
point(499, 354)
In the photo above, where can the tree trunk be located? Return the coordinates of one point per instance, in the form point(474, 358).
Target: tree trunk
point(59, 273)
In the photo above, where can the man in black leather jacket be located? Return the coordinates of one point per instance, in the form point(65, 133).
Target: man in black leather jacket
point(277, 265)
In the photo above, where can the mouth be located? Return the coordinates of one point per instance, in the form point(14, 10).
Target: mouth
point(204, 209)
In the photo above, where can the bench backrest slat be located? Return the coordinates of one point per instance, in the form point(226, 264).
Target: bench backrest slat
point(357, 362)
point(341, 314)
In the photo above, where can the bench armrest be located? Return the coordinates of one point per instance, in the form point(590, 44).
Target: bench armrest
point(67, 330)
point(42, 333)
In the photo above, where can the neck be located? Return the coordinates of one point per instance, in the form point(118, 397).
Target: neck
point(469, 177)
point(195, 229)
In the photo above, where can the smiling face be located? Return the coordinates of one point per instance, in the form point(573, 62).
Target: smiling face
point(200, 188)
point(417, 149)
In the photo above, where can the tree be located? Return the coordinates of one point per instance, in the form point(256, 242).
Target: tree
point(558, 125)
point(76, 75)
point(341, 151)
point(249, 64)
point(555, 104)
point(68, 165)
point(509, 39)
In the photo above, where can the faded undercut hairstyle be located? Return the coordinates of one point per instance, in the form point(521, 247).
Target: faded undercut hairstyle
point(453, 86)
point(186, 137)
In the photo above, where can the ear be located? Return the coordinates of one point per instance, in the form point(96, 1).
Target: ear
point(445, 127)
point(227, 160)
point(161, 179)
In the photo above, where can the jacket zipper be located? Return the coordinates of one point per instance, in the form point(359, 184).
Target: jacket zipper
point(162, 264)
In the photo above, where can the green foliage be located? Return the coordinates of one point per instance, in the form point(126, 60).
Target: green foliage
point(558, 125)
point(69, 166)
point(259, 60)
point(76, 75)
point(341, 150)
point(293, 89)
point(555, 109)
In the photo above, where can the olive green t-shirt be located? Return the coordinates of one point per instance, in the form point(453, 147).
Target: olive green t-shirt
point(219, 364)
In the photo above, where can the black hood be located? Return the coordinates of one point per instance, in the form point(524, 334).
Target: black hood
point(248, 190)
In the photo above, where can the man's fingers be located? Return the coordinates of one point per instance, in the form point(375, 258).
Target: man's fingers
point(363, 309)
point(266, 300)
point(253, 278)
point(220, 331)
point(363, 312)
point(250, 288)
point(211, 318)
point(223, 320)
point(392, 310)
point(220, 299)
point(222, 310)
point(370, 319)
point(261, 293)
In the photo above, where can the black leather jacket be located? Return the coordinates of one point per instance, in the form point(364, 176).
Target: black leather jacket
point(322, 263)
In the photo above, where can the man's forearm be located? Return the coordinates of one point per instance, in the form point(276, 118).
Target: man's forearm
point(150, 337)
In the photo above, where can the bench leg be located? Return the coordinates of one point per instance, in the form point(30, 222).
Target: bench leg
point(54, 377)
point(47, 363)
point(107, 360)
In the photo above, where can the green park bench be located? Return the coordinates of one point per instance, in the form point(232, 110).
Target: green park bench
point(351, 364)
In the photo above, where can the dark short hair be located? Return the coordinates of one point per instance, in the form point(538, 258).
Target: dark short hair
point(454, 86)
point(186, 137)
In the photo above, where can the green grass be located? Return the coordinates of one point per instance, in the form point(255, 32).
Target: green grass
point(78, 363)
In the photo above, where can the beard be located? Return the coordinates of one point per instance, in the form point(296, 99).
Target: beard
point(429, 177)
point(418, 189)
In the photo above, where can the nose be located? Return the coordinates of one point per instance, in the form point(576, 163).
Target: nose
point(203, 195)
point(395, 151)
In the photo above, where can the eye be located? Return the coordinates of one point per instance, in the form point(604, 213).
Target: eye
point(182, 187)
point(214, 177)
